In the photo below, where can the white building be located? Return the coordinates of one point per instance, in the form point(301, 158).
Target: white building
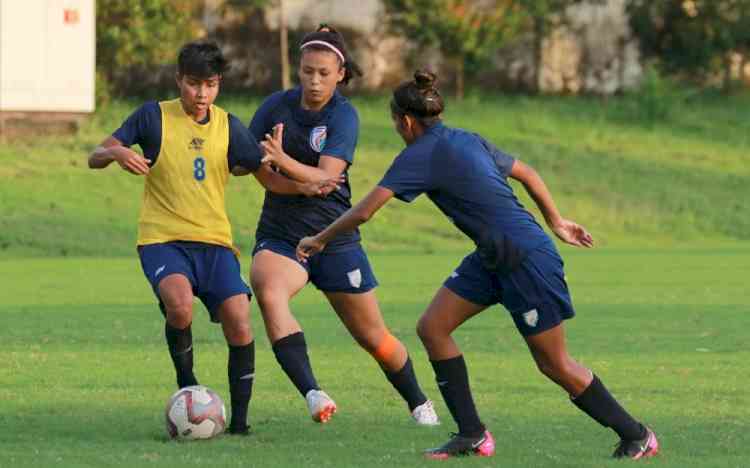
point(47, 61)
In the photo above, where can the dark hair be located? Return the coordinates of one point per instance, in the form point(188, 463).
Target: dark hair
point(330, 36)
point(419, 98)
point(201, 60)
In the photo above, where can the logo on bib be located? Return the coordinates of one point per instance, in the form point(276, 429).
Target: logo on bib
point(531, 317)
point(318, 138)
point(355, 278)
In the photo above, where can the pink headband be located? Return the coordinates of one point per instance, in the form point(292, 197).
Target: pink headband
point(327, 45)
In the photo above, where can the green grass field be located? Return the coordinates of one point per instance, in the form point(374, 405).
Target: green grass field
point(662, 301)
point(85, 374)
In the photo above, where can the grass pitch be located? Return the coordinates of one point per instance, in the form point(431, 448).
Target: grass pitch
point(85, 374)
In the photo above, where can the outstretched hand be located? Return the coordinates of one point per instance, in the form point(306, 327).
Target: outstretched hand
point(272, 146)
point(573, 234)
point(307, 247)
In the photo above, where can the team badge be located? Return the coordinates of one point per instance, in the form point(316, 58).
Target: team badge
point(531, 317)
point(355, 278)
point(318, 138)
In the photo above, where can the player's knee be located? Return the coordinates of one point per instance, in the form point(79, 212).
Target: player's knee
point(426, 330)
point(381, 349)
point(179, 313)
point(269, 295)
point(239, 333)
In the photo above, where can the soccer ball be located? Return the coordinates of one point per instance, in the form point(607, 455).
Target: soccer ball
point(195, 412)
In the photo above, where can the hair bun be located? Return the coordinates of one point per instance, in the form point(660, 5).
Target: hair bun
point(324, 27)
point(424, 79)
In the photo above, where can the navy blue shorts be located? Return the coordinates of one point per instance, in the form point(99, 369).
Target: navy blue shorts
point(535, 293)
point(345, 271)
point(213, 270)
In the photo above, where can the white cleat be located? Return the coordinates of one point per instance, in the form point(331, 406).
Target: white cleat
point(320, 405)
point(425, 414)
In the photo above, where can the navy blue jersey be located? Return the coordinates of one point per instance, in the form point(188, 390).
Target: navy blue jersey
point(332, 131)
point(466, 177)
point(143, 128)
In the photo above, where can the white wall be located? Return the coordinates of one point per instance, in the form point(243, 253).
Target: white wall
point(47, 55)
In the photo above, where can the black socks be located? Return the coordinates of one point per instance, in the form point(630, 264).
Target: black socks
point(180, 343)
point(600, 405)
point(405, 383)
point(453, 382)
point(291, 352)
point(241, 371)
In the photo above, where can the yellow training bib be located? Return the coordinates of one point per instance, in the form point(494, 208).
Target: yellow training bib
point(183, 198)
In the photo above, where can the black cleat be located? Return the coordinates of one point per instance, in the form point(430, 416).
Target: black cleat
point(239, 431)
point(637, 449)
point(483, 446)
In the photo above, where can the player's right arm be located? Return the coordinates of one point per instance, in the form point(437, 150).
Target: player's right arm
point(111, 149)
point(142, 128)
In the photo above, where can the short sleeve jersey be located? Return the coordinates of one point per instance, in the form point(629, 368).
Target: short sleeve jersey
point(466, 177)
point(143, 128)
point(308, 135)
point(183, 196)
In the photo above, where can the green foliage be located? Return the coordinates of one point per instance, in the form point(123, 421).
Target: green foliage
point(692, 37)
point(138, 37)
point(465, 31)
point(657, 98)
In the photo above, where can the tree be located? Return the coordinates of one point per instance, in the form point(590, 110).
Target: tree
point(693, 37)
point(464, 31)
point(137, 35)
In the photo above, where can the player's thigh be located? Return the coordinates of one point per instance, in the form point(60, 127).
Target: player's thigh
point(235, 320)
point(275, 279)
point(446, 312)
point(274, 274)
point(360, 314)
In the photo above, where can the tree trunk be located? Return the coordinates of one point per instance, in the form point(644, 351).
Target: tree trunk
point(460, 78)
point(286, 82)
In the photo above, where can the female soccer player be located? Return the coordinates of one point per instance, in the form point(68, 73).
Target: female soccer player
point(515, 263)
point(184, 237)
point(314, 135)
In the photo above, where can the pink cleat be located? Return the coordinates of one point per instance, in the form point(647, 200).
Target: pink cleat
point(458, 445)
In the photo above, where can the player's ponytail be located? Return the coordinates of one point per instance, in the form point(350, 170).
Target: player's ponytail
point(419, 98)
point(327, 39)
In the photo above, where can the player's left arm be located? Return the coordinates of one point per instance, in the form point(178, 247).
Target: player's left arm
point(278, 183)
point(328, 166)
point(568, 231)
point(245, 158)
point(349, 221)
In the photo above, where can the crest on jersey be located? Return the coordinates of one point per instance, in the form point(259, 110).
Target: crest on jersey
point(196, 144)
point(531, 317)
point(318, 138)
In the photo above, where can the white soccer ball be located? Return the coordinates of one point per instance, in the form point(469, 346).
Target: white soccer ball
point(195, 412)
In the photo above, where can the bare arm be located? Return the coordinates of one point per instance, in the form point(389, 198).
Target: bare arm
point(349, 221)
point(568, 231)
point(111, 149)
point(328, 166)
point(277, 183)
